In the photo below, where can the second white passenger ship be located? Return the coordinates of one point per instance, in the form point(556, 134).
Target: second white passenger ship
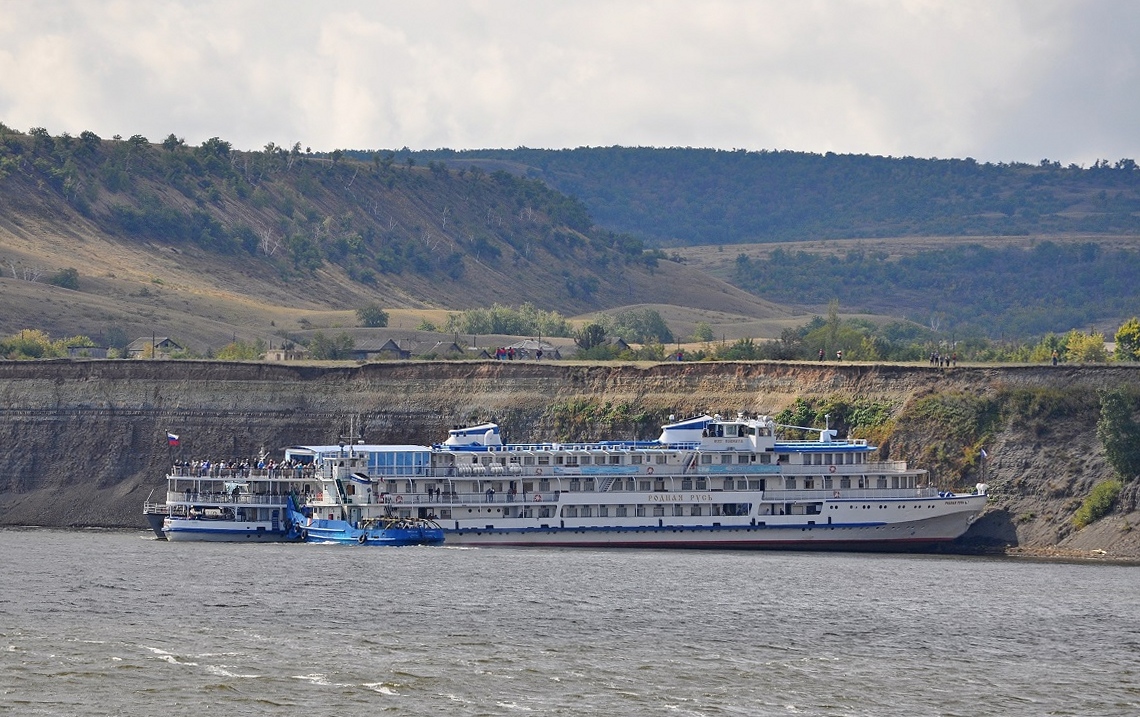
point(706, 482)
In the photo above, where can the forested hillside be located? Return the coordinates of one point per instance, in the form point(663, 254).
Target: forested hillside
point(682, 196)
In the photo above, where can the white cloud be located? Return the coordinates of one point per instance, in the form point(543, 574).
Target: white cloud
point(1000, 80)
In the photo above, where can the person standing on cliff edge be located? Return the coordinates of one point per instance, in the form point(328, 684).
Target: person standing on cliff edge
point(839, 355)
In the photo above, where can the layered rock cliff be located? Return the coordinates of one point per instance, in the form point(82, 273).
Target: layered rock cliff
point(84, 442)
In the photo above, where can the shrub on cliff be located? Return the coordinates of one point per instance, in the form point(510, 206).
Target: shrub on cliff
point(1098, 503)
point(1119, 432)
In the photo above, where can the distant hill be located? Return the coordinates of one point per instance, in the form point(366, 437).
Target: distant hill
point(127, 237)
point(685, 196)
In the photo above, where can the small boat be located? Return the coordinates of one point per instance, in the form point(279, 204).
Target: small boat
point(392, 531)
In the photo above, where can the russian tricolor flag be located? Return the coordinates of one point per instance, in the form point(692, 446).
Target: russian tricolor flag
point(171, 439)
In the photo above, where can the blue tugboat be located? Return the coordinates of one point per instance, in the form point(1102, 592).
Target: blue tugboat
point(374, 531)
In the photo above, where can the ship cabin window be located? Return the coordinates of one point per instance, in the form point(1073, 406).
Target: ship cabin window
point(789, 484)
point(701, 484)
point(695, 510)
point(827, 458)
point(615, 460)
point(706, 459)
point(809, 484)
point(862, 481)
point(570, 511)
point(544, 512)
point(543, 485)
point(599, 460)
point(728, 484)
point(894, 481)
point(588, 484)
point(882, 482)
point(621, 511)
point(445, 514)
point(635, 459)
point(827, 483)
point(659, 484)
point(744, 458)
point(765, 457)
point(678, 510)
point(687, 484)
point(587, 511)
point(782, 458)
point(571, 460)
point(658, 511)
point(726, 458)
point(544, 460)
point(742, 484)
point(528, 460)
point(817, 459)
point(661, 459)
point(603, 511)
point(643, 485)
point(350, 489)
point(639, 511)
point(754, 485)
point(575, 485)
point(844, 482)
point(527, 513)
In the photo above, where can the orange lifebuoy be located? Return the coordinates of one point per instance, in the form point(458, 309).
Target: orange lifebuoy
point(831, 469)
point(538, 471)
point(649, 470)
point(538, 499)
point(399, 499)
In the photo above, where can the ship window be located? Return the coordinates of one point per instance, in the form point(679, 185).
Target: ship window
point(695, 510)
point(615, 460)
point(827, 458)
point(636, 459)
point(639, 511)
point(571, 460)
point(809, 483)
point(844, 482)
point(570, 511)
point(658, 511)
point(882, 482)
point(742, 484)
point(678, 509)
point(726, 458)
point(701, 484)
point(599, 460)
point(661, 459)
point(587, 511)
point(621, 511)
point(659, 484)
point(603, 511)
point(643, 485)
point(894, 481)
point(728, 484)
point(782, 458)
point(575, 485)
point(544, 460)
point(445, 514)
point(687, 484)
point(765, 457)
point(862, 481)
point(588, 484)
point(827, 483)
point(754, 484)
point(743, 458)
point(789, 483)
point(544, 485)
point(629, 484)
point(817, 459)
point(706, 459)
point(528, 460)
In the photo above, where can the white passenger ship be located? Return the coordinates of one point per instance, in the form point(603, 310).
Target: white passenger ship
point(706, 482)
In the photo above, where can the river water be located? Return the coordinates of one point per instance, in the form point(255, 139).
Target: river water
point(117, 623)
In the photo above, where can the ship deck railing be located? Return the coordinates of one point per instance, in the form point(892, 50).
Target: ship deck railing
point(240, 474)
point(404, 500)
point(228, 498)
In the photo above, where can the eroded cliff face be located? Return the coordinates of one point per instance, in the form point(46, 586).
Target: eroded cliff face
point(84, 442)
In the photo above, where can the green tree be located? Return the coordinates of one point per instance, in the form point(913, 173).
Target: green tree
point(589, 336)
point(65, 278)
point(331, 348)
point(703, 332)
point(1128, 341)
point(1088, 348)
point(1098, 504)
point(372, 316)
point(1119, 432)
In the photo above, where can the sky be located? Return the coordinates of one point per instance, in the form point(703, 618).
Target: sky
point(996, 80)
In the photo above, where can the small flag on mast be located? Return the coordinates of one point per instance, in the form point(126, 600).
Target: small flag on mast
point(171, 439)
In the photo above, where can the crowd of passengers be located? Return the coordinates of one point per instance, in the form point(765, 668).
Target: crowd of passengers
point(242, 469)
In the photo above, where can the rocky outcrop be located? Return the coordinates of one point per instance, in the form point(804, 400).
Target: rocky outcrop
point(84, 442)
